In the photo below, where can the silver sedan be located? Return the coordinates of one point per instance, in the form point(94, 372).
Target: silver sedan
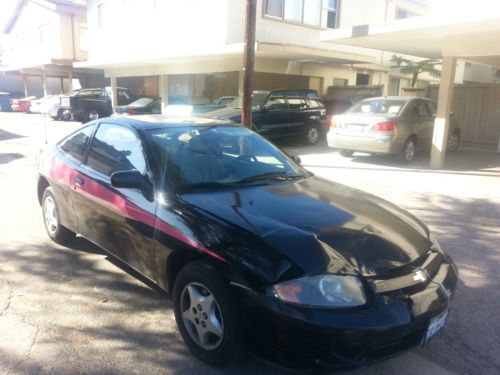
point(394, 125)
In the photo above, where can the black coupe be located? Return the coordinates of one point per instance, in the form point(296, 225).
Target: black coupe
point(255, 251)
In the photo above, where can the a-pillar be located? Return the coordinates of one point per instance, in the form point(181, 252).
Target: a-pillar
point(114, 92)
point(163, 90)
point(442, 122)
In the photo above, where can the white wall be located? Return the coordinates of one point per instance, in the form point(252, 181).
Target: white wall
point(24, 42)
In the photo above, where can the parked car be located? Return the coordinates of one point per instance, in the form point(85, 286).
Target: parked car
point(90, 104)
point(38, 105)
point(142, 106)
point(222, 102)
point(53, 109)
point(282, 113)
point(22, 104)
point(254, 250)
point(395, 125)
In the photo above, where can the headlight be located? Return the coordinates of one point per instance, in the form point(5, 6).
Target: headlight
point(322, 291)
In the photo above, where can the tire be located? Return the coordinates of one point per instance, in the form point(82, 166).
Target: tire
point(199, 280)
point(55, 230)
point(346, 153)
point(91, 114)
point(453, 143)
point(409, 150)
point(313, 134)
point(64, 114)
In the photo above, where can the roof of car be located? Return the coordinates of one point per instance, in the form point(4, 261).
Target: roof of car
point(397, 98)
point(157, 121)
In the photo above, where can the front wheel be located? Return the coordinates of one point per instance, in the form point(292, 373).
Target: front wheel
point(51, 219)
point(409, 150)
point(313, 134)
point(453, 142)
point(207, 314)
point(91, 114)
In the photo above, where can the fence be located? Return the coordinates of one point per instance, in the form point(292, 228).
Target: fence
point(477, 110)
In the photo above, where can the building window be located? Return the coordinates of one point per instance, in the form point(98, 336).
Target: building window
point(333, 11)
point(102, 13)
point(362, 79)
point(84, 41)
point(301, 11)
point(403, 13)
point(340, 82)
point(44, 33)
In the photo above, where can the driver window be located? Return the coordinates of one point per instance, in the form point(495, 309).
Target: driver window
point(276, 102)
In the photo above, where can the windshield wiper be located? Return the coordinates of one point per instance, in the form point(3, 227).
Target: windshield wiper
point(202, 186)
point(280, 175)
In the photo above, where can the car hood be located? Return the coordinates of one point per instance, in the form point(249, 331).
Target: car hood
point(322, 226)
point(224, 113)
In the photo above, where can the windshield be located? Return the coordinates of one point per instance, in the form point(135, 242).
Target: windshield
point(142, 102)
point(217, 156)
point(258, 100)
point(378, 106)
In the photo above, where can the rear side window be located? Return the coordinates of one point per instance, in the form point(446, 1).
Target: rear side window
point(276, 102)
point(421, 109)
point(314, 100)
point(115, 148)
point(75, 145)
point(296, 101)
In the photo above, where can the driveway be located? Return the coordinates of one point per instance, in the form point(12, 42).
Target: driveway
point(73, 311)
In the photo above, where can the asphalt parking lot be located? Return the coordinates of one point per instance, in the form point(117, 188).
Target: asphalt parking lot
point(73, 311)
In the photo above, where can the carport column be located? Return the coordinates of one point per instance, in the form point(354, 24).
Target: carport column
point(44, 83)
point(114, 92)
point(70, 81)
point(25, 82)
point(240, 82)
point(442, 122)
point(163, 90)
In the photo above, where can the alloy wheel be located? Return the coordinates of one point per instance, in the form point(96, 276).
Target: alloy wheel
point(312, 135)
point(201, 315)
point(50, 215)
point(453, 142)
point(93, 115)
point(409, 151)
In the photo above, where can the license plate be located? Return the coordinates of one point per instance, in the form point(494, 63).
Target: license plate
point(355, 128)
point(436, 324)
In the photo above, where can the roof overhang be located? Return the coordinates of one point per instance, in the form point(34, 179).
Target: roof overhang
point(473, 39)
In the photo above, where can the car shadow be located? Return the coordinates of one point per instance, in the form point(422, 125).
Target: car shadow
point(108, 322)
point(5, 135)
point(8, 157)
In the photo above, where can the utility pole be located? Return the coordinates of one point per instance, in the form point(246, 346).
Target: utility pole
point(248, 61)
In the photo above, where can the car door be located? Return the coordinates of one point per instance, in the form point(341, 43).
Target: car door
point(298, 113)
point(120, 220)
point(424, 123)
point(273, 120)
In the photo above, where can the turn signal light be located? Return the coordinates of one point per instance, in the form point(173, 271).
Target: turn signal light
point(386, 126)
point(333, 124)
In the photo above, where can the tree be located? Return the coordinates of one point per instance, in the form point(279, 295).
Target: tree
point(407, 66)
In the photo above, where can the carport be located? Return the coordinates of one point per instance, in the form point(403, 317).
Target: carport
point(474, 39)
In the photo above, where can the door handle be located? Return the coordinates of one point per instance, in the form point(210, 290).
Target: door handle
point(79, 181)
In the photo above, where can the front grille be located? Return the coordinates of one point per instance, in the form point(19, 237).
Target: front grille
point(417, 274)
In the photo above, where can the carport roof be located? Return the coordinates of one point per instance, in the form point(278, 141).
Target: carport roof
point(475, 39)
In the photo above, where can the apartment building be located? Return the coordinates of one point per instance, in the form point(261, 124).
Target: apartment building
point(193, 49)
point(42, 40)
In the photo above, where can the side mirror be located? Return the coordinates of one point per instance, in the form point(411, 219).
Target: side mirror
point(263, 108)
point(132, 180)
point(297, 159)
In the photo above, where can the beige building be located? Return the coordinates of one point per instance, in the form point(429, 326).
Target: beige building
point(42, 39)
point(193, 49)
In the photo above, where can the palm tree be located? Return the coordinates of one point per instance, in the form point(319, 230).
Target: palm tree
point(407, 66)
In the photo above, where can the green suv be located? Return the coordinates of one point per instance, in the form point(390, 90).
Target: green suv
point(282, 113)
